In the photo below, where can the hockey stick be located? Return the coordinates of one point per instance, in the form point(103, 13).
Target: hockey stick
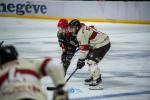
point(77, 50)
point(51, 88)
point(1, 43)
point(54, 88)
point(71, 75)
point(74, 70)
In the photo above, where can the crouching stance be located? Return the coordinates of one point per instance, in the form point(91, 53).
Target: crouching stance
point(20, 78)
point(93, 46)
point(67, 42)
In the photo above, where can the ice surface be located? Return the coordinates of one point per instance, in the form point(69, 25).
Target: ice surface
point(125, 69)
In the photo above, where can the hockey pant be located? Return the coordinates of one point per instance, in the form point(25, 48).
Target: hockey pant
point(94, 57)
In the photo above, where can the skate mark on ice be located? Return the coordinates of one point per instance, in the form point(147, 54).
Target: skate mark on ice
point(115, 74)
point(113, 95)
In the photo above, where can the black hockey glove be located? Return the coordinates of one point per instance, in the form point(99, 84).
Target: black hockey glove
point(60, 95)
point(63, 57)
point(80, 63)
point(70, 54)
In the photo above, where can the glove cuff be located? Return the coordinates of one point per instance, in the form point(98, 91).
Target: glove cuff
point(81, 59)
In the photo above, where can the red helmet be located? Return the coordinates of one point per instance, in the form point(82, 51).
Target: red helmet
point(63, 23)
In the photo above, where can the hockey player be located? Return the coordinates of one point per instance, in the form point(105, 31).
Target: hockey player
point(67, 42)
point(93, 46)
point(20, 78)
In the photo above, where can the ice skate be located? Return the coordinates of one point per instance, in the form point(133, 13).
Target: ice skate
point(88, 81)
point(96, 84)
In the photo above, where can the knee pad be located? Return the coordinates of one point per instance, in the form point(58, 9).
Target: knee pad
point(91, 62)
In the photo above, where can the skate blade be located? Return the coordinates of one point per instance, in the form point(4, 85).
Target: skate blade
point(87, 83)
point(96, 88)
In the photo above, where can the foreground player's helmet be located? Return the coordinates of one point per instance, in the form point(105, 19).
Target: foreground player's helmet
point(63, 23)
point(75, 23)
point(8, 53)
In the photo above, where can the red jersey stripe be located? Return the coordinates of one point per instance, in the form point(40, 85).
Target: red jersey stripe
point(3, 78)
point(22, 71)
point(28, 71)
point(43, 65)
point(93, 35)
point(84, 47)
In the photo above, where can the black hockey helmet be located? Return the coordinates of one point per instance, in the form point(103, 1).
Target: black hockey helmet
point(75, 23)
point(7, 53)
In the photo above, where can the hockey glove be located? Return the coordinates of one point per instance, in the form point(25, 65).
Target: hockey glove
point(60, 95)
point(63, 57)
point(69, 55)
point(80, 63)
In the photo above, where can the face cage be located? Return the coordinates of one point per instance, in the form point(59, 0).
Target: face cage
point(62, 30)
point(72, 29)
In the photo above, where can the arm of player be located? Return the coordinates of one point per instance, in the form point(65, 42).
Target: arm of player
point(81, 60)
point(83, 54)
point(53, 68)
point(83, 38)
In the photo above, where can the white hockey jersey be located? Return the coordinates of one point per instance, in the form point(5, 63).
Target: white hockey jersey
point(22, 79)
point(89, 37)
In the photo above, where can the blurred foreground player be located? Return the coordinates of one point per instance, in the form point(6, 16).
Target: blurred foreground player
point(67, 42)
point(20, 78)
point(93, 46)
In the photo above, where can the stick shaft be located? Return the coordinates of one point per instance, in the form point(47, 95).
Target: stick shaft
point(1, 43)
point(71, 74)
point(54, 88)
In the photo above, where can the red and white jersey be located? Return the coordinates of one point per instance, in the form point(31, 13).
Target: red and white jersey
point(23, 70)
point(21, 78)
point(89, 37)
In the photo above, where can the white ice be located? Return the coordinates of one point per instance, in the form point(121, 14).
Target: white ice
point(125, 69)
